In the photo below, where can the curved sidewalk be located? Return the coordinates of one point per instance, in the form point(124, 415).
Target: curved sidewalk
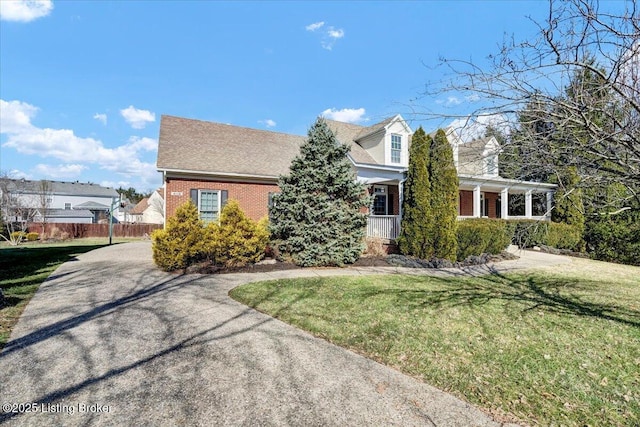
point(108, 339)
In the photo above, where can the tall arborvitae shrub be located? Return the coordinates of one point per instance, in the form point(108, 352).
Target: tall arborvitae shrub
point(181, 242)
point(318, 218)
point(444, 197)
point(569, 207)
point(416, 228)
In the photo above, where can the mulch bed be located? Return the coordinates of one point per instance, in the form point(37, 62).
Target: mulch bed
point(365, 261)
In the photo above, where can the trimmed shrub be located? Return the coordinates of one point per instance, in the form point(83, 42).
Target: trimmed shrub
point(478, 236)
point(529, 233)
point(565, 236)
point(181, 242)
point(238, 240)
point(32, 237)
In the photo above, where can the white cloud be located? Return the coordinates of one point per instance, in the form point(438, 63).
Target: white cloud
point(347, 115)
point(114, 184)
point(102, 118)
point(452, 100)
point(61, 171)
point(138, 119)
point(24, 10)
point(16, 116)
point(75, 151)
point(331, 36)
point(268, 123)
point(470, 129)
point(335, 34)
point(314, 26)
point(328, 36)
point(473, 98)
point(18, 174)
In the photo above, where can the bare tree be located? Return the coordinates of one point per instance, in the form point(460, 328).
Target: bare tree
point(571, 94)
point(16, 208)
point(44, 202)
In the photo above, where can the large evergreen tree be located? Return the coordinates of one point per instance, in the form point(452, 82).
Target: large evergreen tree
point(444, 197)
point(415, 236)
point(569, 207)
point(318, 218)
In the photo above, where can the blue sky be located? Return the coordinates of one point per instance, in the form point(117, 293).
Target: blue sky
point(83, 84)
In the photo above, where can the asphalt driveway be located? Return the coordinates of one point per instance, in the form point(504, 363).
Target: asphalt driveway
point(109, 339)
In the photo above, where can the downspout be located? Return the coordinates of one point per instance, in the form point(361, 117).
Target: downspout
point(164, 200)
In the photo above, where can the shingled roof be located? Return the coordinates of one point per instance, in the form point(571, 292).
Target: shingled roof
point(61, 188)
point(189, 145)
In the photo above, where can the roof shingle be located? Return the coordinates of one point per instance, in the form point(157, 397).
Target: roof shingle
point(198, 146)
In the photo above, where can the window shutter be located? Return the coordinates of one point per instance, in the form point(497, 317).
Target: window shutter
point(224, 194)
point(194, 196)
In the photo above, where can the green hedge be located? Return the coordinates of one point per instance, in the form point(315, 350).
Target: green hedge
point(477, 236)
point(615, 238)
point(529, 233)
point(32, 237)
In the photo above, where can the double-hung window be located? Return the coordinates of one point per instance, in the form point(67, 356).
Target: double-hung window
point(396, 148)
point(491, 165)
point(209, 205)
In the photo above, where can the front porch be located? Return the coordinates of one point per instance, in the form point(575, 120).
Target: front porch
point(476, 199)
point(504, 198)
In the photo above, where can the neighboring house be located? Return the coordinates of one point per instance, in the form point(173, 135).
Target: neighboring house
point(75, 216)
point(210, 162)
point(59, 201)
point(150, 209)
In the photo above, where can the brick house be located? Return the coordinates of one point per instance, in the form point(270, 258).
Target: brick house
point(211, 162)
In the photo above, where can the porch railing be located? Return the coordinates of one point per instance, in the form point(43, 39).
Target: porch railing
point(383, 226)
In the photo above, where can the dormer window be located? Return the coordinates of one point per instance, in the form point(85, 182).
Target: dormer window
point(491, 165)
point(396, 148)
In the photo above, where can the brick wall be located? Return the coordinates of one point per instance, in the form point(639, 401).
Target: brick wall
point(466, 203)
point(253, 198)
point(490, 199)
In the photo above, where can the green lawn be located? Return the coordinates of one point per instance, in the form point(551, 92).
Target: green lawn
point(23, 268)
point(553, 347)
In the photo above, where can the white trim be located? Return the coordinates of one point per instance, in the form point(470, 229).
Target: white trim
point(222, 174)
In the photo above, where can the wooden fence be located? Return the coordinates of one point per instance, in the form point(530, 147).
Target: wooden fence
point(77, 231)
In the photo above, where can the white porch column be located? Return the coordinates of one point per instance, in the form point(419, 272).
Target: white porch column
point(476, 202)
point(528, 205)
point(549, 204)
point(400, 197)
point(504, 203)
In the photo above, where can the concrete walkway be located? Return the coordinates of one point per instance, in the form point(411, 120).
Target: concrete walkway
point(108, 339)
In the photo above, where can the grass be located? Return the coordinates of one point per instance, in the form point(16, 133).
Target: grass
point(23, 268)
point(555, 347)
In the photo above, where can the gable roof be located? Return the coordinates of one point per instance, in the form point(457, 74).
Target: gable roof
point(62, 188)
point(347, 134)
point(140, 207)
point(196, 146)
